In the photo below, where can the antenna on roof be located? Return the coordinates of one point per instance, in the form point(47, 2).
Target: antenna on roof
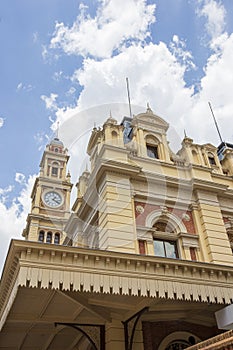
point(127, 84)
point(215, 123)
point(57, 130)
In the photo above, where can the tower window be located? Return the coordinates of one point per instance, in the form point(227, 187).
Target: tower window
point(55, 167)
point(54, 171)
point(152, 151)
point(49, 237)
point(165, 248)
point(41, 236)
point(57, 238)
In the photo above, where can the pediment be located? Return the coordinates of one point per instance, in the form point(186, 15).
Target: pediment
point(148, 119)
point(209, 147)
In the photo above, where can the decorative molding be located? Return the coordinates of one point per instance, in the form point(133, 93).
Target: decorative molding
point(117, 273)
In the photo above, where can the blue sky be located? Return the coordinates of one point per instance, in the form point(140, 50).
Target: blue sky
point(62, 57)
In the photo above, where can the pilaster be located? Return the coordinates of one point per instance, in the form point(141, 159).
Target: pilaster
point(215, 242)
point(116, 223)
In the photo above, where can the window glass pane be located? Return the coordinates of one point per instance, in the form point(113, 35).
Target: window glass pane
point(49, 237)
point(159, 248)
point(152, 151)
point(41, 236)
point(170, 248)
point(57, 238)
point(54, 171)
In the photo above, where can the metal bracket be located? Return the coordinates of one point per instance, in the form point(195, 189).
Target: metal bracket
point(93, 332)
point(130, 327)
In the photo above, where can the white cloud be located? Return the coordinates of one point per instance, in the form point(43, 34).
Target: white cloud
point(58, 75)
point(215, 15)
point(20, 178)
point(115, 23)
point(157, 74)
point(50, 102)
point(13, 216)
point(71, 91)
point(178, 48)
point(4, 191)
point(21, 86)
point(35, 36)
point(1, 122)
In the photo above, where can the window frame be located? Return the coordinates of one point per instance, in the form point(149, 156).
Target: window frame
point(165, 250)
point(152, 151)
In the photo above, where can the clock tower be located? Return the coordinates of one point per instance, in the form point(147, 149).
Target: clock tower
point(50, 197)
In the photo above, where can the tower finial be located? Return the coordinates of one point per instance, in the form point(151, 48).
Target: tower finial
point(185, 135)
point(149, 110)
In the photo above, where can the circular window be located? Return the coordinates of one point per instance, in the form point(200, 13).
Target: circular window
point(178, 341)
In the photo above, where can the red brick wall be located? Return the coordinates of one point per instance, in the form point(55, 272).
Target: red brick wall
point(148, 208)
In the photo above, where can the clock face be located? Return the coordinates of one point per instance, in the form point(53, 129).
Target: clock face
point(52, 199)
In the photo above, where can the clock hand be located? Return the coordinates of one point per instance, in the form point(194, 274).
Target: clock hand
point(55, 200)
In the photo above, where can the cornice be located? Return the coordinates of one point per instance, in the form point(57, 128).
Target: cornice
point(103, 166)
point(200, 184)
point(91, 270)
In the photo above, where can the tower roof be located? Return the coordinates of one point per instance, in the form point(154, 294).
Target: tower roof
point(57, 142)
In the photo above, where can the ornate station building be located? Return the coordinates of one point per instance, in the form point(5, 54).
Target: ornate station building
point(142, 261)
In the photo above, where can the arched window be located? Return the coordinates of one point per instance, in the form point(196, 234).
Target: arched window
point(57, 238)
point(49, 237)
point(152, 147)
point(41, 236)
point(178, 340)
point(55, 167)
point(178, 345)
point(164, 239)
point(163, 227)
point(211, 159)
point(114, 134)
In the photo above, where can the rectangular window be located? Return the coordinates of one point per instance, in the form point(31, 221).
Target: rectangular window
point(166, 249)
point(152, 151)
point(54, 171)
